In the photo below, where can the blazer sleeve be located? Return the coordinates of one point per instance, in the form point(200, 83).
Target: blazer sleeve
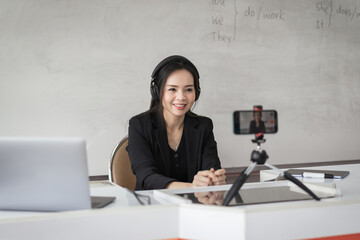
point(143, 161)
point(210, 158)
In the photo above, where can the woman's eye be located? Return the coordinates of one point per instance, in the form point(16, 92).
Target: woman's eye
point(172, 89)
point(189, 90)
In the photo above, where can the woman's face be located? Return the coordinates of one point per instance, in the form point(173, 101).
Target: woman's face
point(257, 116)
point(178, 94)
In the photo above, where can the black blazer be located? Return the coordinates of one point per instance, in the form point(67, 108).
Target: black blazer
point(254, 129)
point(149, 154)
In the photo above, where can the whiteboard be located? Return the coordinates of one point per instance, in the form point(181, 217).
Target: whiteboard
point(82, 68)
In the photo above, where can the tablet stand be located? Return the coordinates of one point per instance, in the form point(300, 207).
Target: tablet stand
point(259, 156)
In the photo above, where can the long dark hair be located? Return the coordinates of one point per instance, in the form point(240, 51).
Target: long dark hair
point(160, 80)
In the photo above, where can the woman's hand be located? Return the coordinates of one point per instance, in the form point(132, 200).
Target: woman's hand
point(220, 177)
point(203, 178)
point(209, 178)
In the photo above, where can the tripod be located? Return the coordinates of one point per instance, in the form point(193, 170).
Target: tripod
point(259, 156)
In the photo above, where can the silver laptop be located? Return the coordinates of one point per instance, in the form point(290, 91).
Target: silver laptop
point(44, 174)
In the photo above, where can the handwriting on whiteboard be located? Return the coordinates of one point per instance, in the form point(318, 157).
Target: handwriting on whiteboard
point(329, 10)
point(226, 14)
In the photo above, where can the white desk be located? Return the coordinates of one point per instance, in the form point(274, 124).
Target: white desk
point(121, 220)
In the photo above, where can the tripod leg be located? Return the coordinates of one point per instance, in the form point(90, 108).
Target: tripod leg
point(238, 183)
point(235, 188)
point(301, 185)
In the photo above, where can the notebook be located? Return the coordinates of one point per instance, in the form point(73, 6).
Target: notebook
point(45, 174)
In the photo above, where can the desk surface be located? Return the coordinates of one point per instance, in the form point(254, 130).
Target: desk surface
point(301, 219)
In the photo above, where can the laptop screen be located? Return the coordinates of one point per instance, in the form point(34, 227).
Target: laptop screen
point(43, 174)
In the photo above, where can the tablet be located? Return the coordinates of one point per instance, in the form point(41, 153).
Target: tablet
point(283, 191)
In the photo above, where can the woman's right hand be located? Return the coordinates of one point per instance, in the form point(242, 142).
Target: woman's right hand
point(204, 178)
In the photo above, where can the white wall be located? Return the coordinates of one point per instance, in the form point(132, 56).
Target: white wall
point(82, 68)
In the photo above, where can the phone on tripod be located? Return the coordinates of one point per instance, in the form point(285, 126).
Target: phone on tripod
point(253, 122)
point(258, 122)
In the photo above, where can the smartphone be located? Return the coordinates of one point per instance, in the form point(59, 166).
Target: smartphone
point(253, 122)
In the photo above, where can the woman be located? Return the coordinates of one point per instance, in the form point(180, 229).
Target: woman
point(257, 125)
point(169, 146)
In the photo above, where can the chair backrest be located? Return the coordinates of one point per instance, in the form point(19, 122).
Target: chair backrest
point(120, 168)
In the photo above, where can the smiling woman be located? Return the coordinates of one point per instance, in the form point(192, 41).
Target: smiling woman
point(169, 145)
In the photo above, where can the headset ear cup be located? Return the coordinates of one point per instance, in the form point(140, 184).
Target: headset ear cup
point(154, 90)
point(198, 94)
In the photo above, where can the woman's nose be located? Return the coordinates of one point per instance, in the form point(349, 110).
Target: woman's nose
point(180, 95)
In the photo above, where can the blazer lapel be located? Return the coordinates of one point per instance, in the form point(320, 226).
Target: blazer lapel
point(193, 138)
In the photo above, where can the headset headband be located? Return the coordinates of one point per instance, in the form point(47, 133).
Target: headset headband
point(170, 59)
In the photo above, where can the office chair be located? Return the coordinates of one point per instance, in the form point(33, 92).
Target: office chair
point(120, 171)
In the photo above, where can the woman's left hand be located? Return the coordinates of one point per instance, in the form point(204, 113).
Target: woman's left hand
point(219, 178)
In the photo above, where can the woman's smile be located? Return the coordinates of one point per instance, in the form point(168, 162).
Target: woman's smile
point(179, 106)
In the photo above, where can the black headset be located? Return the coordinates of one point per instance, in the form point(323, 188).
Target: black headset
point(154, 90)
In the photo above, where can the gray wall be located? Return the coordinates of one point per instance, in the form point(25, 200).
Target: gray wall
point(82, 68)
